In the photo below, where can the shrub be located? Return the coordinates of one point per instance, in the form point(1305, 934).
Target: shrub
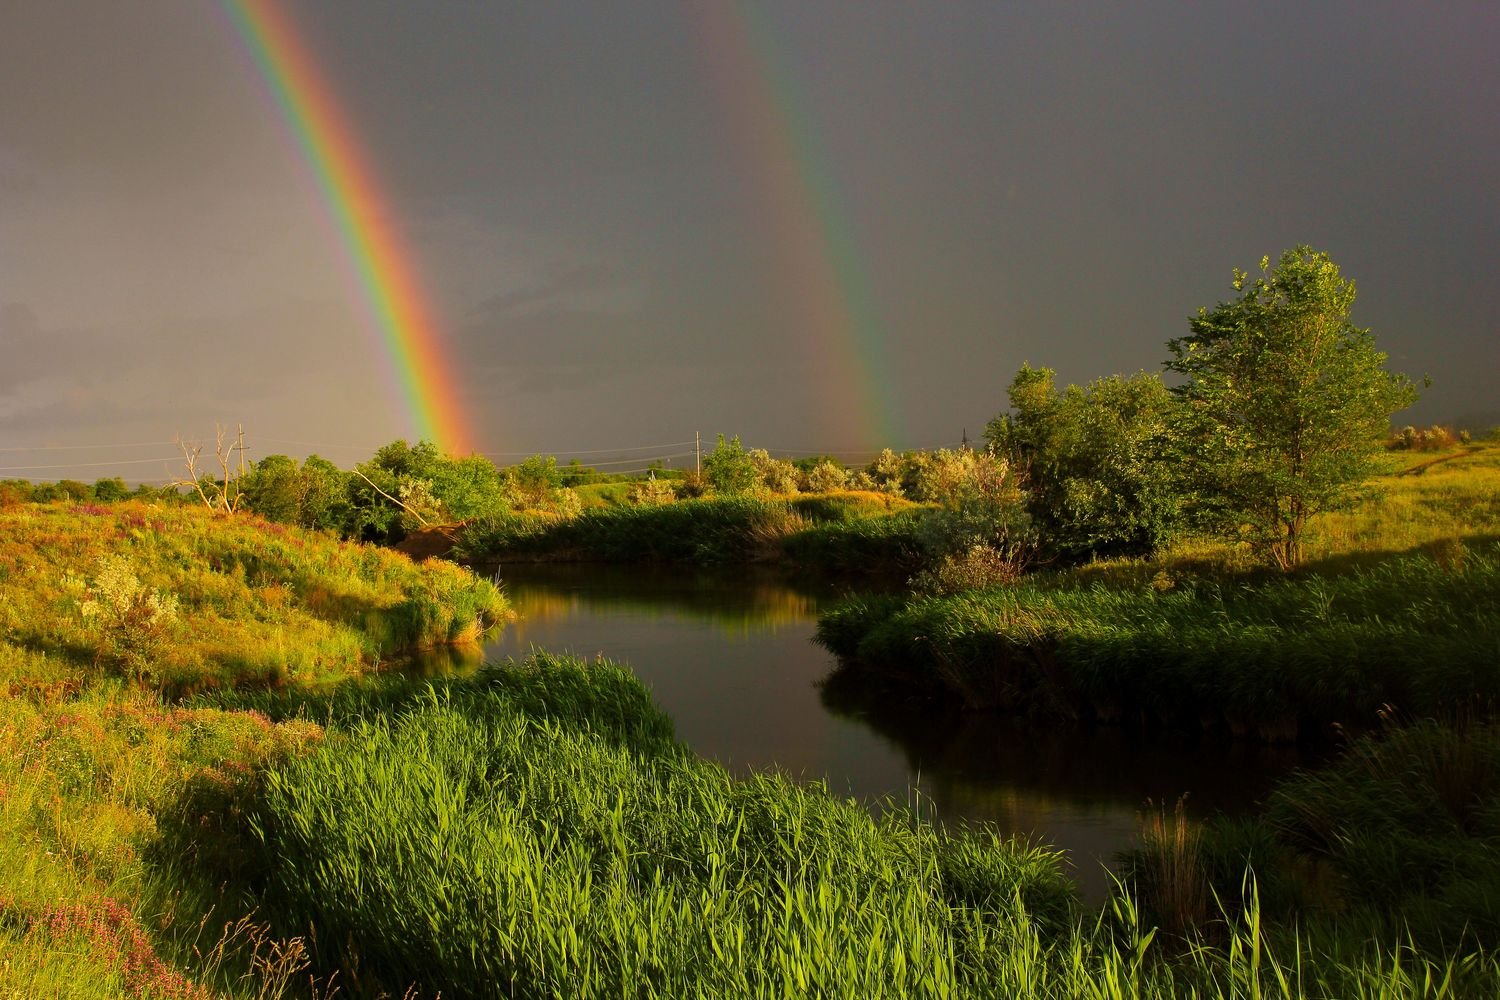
point(774, 474)
point(983, 509)
point(825, 477)
point(728, 468)
point(133, 619)
point(1097, 460)
point(650, 492)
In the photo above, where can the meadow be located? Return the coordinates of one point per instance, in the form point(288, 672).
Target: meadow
point(1398, 611)
point(212, 784)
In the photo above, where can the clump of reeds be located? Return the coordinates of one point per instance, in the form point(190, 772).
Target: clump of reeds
point(1170, 875)
point(1269, 656)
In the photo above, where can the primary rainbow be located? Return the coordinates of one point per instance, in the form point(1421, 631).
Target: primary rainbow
point(811, 235)
point(388, 281)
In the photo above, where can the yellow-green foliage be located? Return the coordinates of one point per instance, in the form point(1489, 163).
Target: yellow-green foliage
point(1419, 500)
point(102, 611)
point(1424, 498)
point(81, 783)
point(190, 599)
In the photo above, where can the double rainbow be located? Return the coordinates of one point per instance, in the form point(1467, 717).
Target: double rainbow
point(400, 313)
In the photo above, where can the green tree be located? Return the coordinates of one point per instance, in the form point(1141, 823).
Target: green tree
point(1286, 402)
point(536, 480)
point(1098, 468)
point(273, 489)
point(325, 496)
point(111, 489)
point(729, 467)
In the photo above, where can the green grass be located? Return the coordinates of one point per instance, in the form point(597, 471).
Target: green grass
point(535, 831)
point(1400, 605)
point(852, 532)
point(527, 834)
point(257, 603)
point(1398, 837)
point(97, 753)
point(1417, 632)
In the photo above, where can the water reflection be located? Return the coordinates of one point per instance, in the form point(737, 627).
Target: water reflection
point(730, 657)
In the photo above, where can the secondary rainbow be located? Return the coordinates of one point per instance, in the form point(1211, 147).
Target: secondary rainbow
point(822, 269)
point(388, 282)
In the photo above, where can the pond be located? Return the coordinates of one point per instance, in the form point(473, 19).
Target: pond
point(731, 658)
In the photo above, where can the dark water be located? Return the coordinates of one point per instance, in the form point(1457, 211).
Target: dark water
point(731, 658)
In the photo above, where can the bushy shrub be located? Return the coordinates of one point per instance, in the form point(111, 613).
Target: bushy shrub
point(650, 492)
point(133, 619)
point(885, 472)
point(775, 475)
point(1434, 438)
point(825, 477)
point(983, 520)
point(729, 468)
point(1098, 461)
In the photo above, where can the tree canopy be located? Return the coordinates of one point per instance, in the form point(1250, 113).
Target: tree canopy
point(1285, 401)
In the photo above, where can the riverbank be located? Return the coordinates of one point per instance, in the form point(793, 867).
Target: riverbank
point(110, 616)
point(855, 533)
point(1274, 657)
point(530, 830)
point(1399, 611)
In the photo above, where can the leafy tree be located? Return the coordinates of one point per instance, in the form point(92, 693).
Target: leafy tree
point(729, 468)
point(110, 489)
point(325, 496)
point(75, 490)
point(1098, 466)
point(575, 473)
point(536, 480)
point(469, 487)
point(1286, 402)
point(273, 489)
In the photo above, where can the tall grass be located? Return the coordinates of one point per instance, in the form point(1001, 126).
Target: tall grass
point(516, 836)
point(1418, 632)
point(853, 532)
point(481, 844)
point(254, 602)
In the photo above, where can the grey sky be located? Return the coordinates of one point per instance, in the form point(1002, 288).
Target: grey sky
point(1059, 184)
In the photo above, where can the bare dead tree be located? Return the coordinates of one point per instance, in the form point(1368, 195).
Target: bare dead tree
point(222, 493)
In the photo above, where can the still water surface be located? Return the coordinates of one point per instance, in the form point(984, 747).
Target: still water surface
point(731, 659)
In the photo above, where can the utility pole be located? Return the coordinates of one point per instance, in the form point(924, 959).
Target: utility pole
point(698, 452)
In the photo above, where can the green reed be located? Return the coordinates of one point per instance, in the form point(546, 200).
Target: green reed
point(515, 836)
point(1418, 632)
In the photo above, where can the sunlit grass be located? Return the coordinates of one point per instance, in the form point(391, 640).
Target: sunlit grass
point(255, 602)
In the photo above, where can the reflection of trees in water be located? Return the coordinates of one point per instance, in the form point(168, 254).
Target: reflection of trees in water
point(447, 661)
point(742, 603)
point(1020, 772)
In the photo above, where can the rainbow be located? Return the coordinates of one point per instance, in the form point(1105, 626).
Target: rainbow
point(387, 278)
point(822, 271)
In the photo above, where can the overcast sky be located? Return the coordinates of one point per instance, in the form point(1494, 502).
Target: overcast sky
point(590, 193)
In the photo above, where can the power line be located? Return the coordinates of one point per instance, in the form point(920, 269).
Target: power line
point(82, 447)
point(90, 465)
point(594, 451)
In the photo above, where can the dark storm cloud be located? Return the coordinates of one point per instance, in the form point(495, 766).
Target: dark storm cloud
point(1062, 184)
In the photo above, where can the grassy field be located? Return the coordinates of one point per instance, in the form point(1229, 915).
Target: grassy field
point(187, 601)
point(1401, 608)
point(207, 788)
point(108, 617)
